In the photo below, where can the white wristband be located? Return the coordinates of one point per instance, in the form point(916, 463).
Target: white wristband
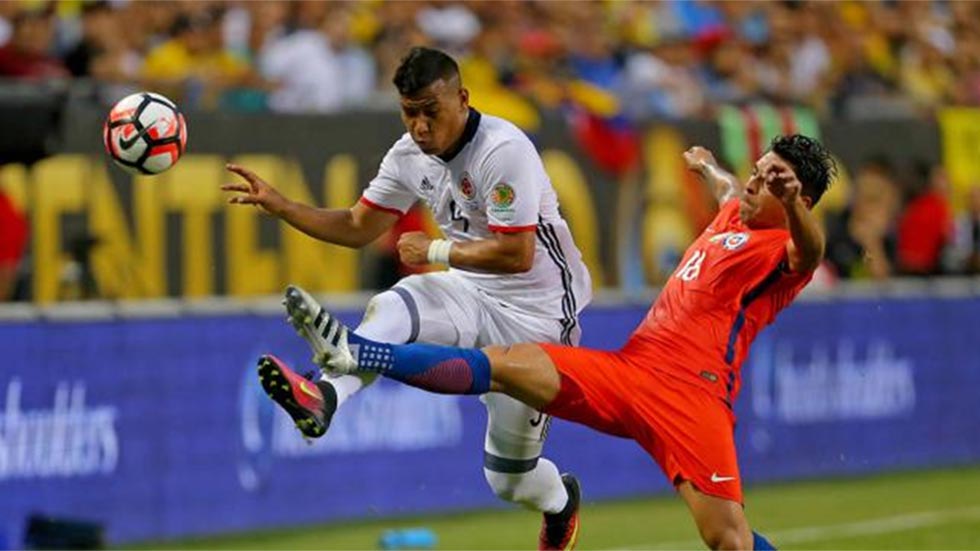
point(439, 251)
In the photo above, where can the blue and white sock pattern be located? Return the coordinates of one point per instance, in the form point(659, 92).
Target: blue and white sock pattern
point(442, 369)
point(372, 356)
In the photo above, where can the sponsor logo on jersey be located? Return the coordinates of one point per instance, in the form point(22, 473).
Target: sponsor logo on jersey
point(502, 195)
point(731, 241)
point(466, 186)
point(709, 376)
point(716, 478)
point(426, 185)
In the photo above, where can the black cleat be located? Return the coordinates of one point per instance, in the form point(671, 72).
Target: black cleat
point(559, 531)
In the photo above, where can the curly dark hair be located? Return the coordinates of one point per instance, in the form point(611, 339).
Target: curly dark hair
point(810, 160)
point(420, 68)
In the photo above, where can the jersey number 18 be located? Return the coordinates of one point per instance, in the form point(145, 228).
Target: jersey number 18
point(692, 268)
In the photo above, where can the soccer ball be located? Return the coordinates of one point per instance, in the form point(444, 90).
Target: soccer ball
point(145, 133)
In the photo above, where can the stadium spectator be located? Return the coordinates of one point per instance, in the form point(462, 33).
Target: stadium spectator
point(856, 81)
point(842, 57)
point(966, 243)
point(305, 71)
point(926, 78)
point(28, 53)
point(660, 81)
point(96, 27)
point(13, 242)
point(193, 66)
point(925, 226)
point(861, 239)
point(104, 52)
point(729, 75)
point(8, 11)
point(356, 63)
point(810, 62)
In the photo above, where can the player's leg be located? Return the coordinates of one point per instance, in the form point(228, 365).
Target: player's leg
point(516, 471)
point(689, 431)
point(523, 371)
point(383, 321)
point(415, 308)
point(512, 459)
point(586, 388)
point(513, 463)
point(721, 522)
point(313, 400)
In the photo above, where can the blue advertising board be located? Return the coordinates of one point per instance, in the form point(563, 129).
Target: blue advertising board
point(157, 428)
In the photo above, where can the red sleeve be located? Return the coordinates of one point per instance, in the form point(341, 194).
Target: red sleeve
point(13, 232)
point(512, 229)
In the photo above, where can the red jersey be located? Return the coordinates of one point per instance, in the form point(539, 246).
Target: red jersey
point(731, 283)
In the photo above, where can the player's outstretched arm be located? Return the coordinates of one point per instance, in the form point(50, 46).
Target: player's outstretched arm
point(504, 253)
point(724, 184)
point(354, 227)
point(806, 246)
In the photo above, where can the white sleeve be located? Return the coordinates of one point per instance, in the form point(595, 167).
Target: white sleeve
point(513, 178)
point(386, 191)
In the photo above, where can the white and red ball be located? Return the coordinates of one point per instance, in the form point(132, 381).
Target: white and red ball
point(145, 133)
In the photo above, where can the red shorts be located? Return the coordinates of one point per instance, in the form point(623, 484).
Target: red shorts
point(688, 431)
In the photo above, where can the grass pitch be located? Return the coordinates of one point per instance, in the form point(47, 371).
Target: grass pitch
point(909, 510)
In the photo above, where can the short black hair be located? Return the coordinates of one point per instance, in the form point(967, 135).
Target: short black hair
point(810, 160)
point(421, 67)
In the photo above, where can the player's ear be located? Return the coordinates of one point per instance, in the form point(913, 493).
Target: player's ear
point(464, 97)
point(807, 201)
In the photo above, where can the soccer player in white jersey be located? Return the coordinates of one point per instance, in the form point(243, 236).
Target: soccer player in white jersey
point(514, 272)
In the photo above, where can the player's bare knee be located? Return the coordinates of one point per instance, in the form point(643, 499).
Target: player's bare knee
point(501, 364)
point(507, 361)
point(726, 537)
point(510, 353)
point(496, 354)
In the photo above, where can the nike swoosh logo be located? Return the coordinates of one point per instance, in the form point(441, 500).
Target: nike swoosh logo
point(537, 421)
point(126, 144)
point(308, 391)
point(715, 478)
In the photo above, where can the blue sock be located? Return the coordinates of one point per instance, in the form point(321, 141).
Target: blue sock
point(760, 542)
point(442, 369)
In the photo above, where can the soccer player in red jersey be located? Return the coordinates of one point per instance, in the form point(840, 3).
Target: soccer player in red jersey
point(672, 385)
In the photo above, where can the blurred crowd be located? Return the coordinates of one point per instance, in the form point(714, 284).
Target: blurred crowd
point(672, 58)
point(603, 64)
point(902, 223)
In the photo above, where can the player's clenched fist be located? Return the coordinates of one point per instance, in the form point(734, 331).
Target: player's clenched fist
point(697, 158)
point(413, 248)
point(255, 191)
point(783, 183)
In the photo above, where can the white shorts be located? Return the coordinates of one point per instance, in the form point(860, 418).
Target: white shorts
point(449, 310)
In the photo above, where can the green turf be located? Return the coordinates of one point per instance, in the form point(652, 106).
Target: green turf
point(915, 510)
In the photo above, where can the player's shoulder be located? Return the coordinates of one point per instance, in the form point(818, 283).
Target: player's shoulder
point(496, 133)
point(727, 215)
point(499, 127)
point(404, 147)
point(500, 143)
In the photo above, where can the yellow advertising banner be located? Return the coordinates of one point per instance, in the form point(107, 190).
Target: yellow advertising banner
point(959, 129)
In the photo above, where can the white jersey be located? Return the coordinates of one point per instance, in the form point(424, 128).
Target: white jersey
point(494, 183)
